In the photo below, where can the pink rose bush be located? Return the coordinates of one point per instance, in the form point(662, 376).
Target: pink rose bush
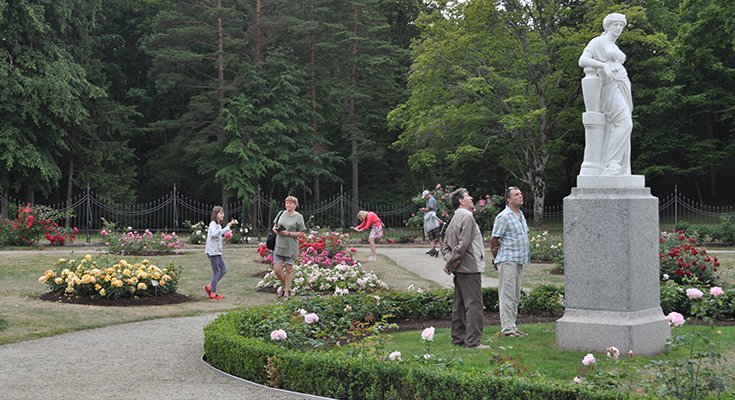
point(132, 242)
point(324, 265)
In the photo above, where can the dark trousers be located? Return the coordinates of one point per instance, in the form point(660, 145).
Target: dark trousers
point(467, 313)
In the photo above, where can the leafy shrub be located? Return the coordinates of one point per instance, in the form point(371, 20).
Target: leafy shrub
point(110, 278)
point(341, 279)
point(544, 299)
point(680, 258)
point(486, 208)
point(725, 231)
point(198, 233)
point(545, 248)
point(142, 244)
point(28, 224)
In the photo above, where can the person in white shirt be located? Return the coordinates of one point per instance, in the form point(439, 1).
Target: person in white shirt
point(213, 249)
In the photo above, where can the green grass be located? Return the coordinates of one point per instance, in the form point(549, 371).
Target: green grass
point(3, 323)
point(27, 317)
point(537, 352)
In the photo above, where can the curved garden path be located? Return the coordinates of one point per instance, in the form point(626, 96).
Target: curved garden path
point(157, 359)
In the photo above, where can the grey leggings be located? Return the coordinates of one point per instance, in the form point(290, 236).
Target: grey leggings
point(219, 269)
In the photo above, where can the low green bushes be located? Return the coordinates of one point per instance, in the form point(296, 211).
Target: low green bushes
point(242, 343)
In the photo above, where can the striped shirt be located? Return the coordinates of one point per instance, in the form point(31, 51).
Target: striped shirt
point(513, 234)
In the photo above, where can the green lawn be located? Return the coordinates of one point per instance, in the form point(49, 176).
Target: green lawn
point(536, 353)
point(27, 317)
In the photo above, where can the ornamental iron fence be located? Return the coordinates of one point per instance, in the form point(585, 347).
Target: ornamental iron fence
point(175, 211)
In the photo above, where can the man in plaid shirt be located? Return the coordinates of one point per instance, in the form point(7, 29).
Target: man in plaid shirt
point(511, 250)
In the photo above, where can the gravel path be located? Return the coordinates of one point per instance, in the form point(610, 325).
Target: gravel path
point(416, 260)
point(158, 359)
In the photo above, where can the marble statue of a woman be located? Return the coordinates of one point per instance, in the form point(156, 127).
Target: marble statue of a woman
point(607, 92)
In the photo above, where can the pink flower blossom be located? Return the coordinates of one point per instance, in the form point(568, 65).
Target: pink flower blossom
point(716, 291)
point(675, 319)
point(589, 359)
point(279, 334)
point(428, 334)
point(311, 318)
point(694, 293)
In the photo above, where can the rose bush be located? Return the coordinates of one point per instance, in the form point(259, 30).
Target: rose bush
point(545, 249)
point(135, 243)
point(110, 278)
point(681, 258)
point(486, 208)
point(340, 279)
point(29, 223)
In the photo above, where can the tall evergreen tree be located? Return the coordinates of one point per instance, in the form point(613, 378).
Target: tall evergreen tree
point(44, 92)
point(199, 61)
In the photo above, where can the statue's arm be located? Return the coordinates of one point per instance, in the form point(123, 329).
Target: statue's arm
point(586, 60)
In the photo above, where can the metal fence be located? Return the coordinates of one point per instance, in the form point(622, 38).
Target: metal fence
point(175, 211)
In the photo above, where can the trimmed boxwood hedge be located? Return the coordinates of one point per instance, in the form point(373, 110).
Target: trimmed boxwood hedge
point(341, 376)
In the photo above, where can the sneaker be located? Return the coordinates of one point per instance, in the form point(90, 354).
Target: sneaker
point(430, 251)
point(479, 346)
point(215, 296)
point(513, 334)
point(208, 289)
point(371, 258)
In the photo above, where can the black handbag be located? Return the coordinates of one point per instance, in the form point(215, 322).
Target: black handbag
point(270, 242)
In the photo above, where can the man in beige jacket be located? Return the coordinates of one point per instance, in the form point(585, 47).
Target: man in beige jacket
point(464, 254)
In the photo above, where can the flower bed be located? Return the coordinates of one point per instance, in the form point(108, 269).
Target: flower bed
point(276, 346)
point(198, 233)
point(110, 278)
point(324, 265)
point(142, 244)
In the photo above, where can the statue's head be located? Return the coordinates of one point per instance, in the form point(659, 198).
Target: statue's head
point(612, 18)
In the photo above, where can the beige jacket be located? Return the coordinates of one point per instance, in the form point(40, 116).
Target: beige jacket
point(464, 251)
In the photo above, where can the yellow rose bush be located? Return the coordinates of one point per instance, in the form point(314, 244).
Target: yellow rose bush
point(110, 278)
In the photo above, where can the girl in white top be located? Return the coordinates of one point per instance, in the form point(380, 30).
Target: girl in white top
point(213, 249)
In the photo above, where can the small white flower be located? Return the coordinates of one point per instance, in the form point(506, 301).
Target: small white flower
point(427, 356)
point(666, 277)
point(395, 356)
point(577, 380)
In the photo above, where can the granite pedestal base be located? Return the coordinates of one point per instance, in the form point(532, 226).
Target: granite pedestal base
point(611, 272)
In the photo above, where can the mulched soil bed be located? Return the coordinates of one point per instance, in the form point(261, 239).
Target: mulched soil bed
point(173, 298)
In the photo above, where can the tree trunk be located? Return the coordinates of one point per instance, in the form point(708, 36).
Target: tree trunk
point(69, 186)
point(220, 60)
point(315, 150)
point(221, 78)
point(257, 54)
point(352, 121)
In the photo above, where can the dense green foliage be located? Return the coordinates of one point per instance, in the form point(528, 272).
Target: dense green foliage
point(382, 96)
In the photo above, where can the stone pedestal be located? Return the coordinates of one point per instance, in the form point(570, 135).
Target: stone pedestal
point(611, 269)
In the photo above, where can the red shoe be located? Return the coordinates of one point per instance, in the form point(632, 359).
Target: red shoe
point(208, 289)
point(215, 296)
